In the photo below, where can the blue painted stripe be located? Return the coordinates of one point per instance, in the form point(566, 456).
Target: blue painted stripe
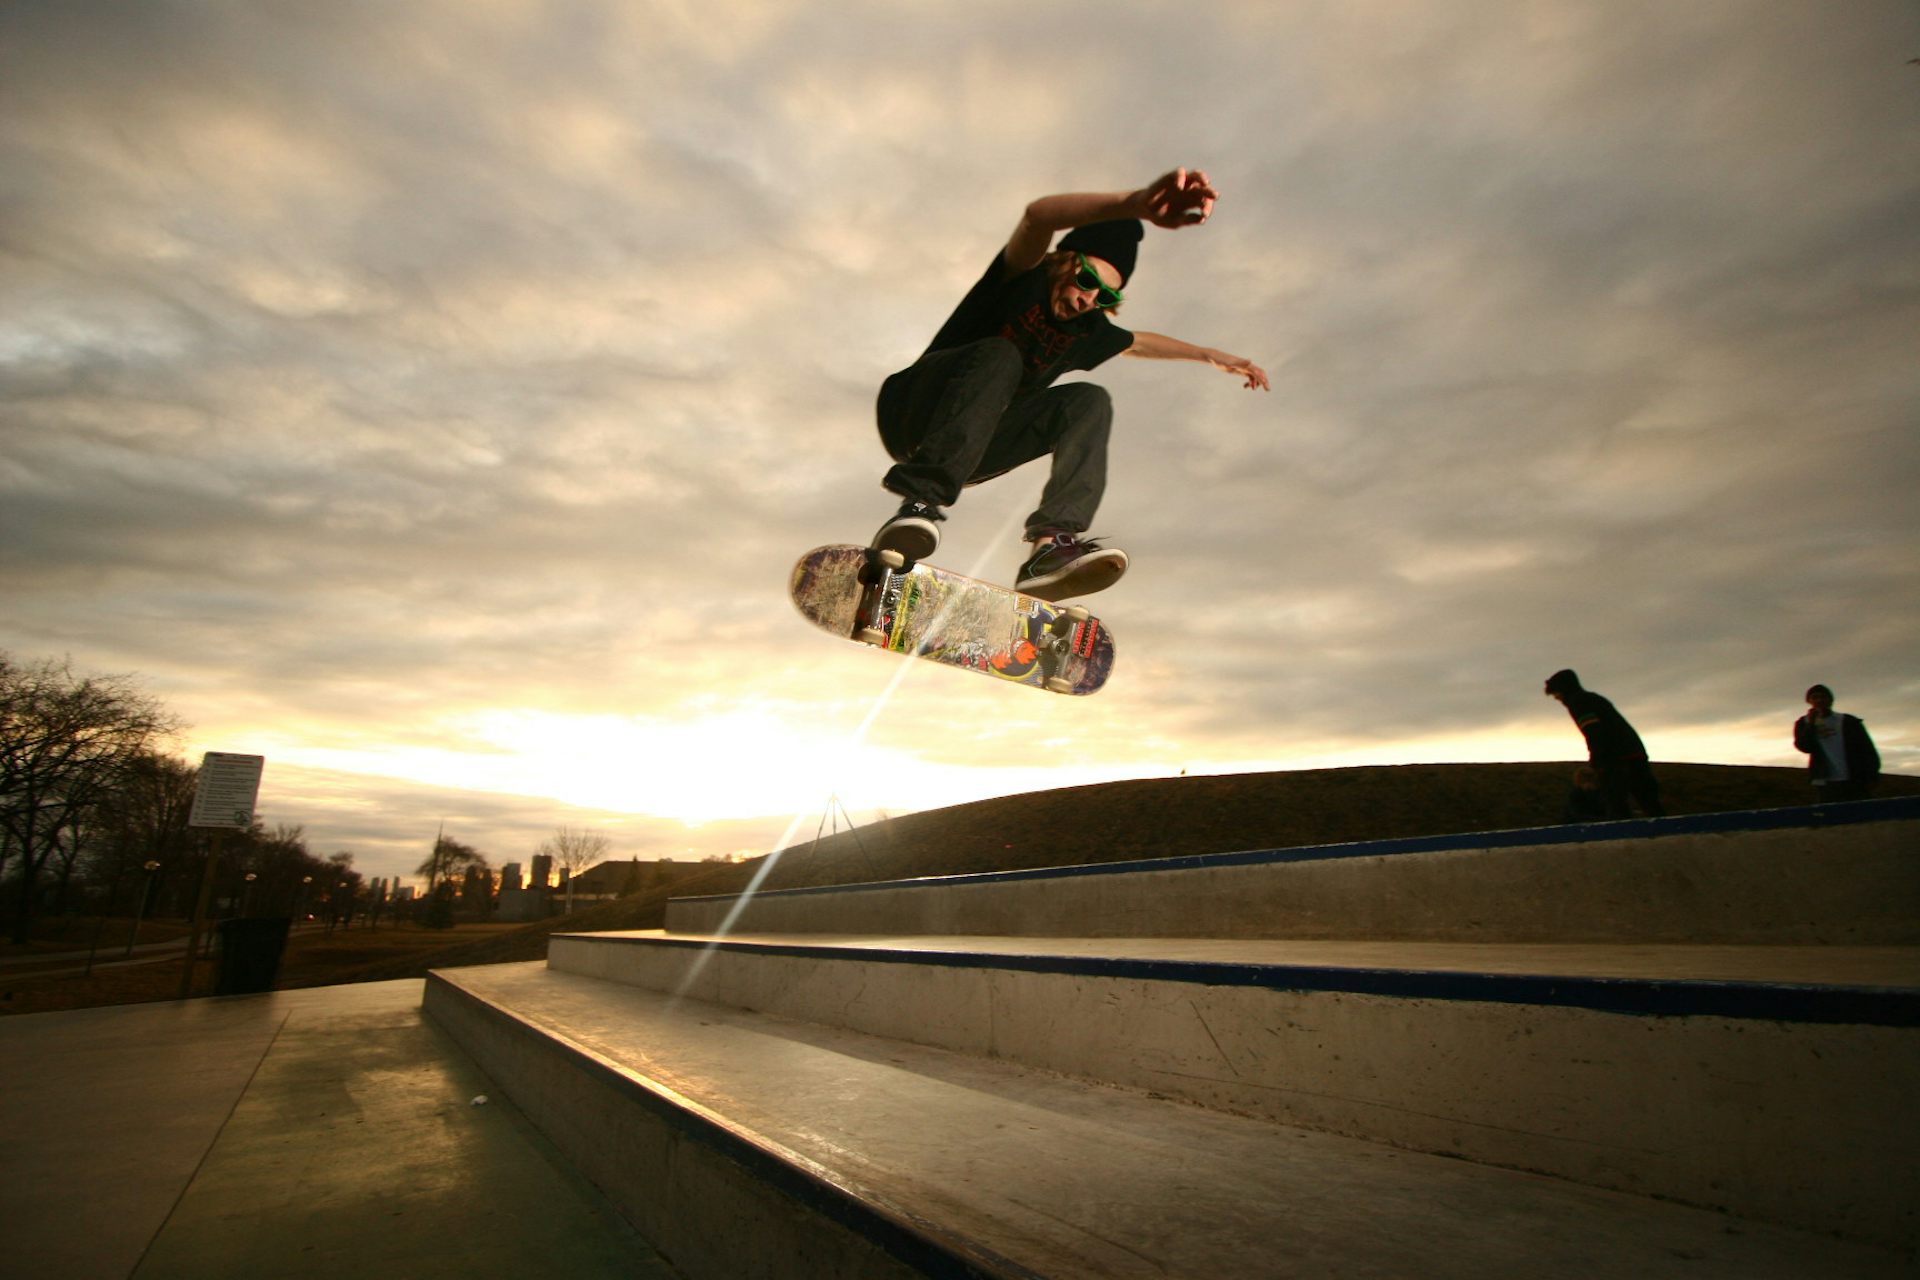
point(1899, 808)
point(1638, 997)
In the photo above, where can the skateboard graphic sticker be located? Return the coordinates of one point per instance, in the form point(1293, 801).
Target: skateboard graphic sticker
point(927, 612)
point(962, 631)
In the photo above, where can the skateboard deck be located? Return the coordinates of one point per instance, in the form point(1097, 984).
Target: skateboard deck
point(927, 612)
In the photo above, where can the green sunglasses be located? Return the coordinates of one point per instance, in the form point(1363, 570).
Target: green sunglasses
point(1087, 278)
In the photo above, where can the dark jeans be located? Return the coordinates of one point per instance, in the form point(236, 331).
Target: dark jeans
point(951, 420)
point(1622, 778)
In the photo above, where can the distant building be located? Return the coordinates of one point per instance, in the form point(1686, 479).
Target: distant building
point(510, 877)
point(542, 871)
point(476, 892)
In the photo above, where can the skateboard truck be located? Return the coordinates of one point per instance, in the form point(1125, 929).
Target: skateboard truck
point(880, 579)
point(1058, 644)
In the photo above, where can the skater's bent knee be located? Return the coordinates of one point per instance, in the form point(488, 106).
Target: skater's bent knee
point(1088, 402)
point(998, 354)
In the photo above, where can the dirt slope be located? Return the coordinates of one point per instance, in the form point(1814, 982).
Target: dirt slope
point(1168, 817)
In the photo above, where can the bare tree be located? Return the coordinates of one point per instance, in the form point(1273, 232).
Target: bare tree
point(146, 820)
point(75, 834)
point(449, 860)
point(66, 742)
point(575, 850)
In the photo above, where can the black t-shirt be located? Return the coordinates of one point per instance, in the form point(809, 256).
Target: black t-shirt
point(1017, 308)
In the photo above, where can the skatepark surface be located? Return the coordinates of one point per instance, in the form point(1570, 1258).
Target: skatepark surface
point(302, 1133)
point(776, 1095)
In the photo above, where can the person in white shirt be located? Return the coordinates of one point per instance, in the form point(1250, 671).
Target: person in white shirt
point(1842, 760)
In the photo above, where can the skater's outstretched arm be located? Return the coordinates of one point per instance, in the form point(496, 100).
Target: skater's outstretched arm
point(1158, 346)
point(1178, 198)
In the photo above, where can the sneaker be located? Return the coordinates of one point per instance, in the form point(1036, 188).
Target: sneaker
point(911, 532)
point(1069, 567)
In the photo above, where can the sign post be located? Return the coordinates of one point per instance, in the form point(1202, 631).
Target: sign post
point(229, 786)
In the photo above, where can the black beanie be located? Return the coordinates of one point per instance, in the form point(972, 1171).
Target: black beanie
point(1117, 241)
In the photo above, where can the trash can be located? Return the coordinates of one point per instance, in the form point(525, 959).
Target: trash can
point(250, 953)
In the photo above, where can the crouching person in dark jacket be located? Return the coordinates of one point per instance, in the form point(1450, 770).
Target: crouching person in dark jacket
point(1613, 748)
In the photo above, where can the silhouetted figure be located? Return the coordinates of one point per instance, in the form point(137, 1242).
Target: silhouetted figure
point(1841, 757)
point(1585, 803)
point(1613, 748)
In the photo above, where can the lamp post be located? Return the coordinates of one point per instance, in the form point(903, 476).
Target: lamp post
point(246, 895)
point(146, 891)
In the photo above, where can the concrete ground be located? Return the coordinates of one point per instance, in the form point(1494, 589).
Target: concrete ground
point(300, 1133)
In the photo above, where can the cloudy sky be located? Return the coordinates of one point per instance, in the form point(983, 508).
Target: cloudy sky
point(432, 398)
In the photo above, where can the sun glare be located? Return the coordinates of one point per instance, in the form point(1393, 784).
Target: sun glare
point(754, 763)
point(743, 762)
point(739, 763)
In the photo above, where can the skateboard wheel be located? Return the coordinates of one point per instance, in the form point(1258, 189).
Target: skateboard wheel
point(1067, 619)
point(892, 559)
point(871, 635)
point(1057, 684)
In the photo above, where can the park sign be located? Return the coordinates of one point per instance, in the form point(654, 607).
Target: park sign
point(229, 785)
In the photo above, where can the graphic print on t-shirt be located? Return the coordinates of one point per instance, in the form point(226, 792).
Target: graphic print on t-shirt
point(1042, 343)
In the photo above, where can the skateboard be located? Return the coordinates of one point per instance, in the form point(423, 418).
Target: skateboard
point(877, 598)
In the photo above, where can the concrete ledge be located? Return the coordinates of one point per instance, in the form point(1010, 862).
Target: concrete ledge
point(1787, 1102)
point(1845, 874)
point(1892, 1002)
point(1050, 1176)
point(689, 1180)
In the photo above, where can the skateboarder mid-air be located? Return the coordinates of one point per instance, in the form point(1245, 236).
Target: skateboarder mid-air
point(980, 401)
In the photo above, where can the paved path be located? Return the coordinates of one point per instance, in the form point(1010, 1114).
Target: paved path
point(301, 1133)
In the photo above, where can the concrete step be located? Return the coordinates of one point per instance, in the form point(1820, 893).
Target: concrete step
point(747, 1145)
point(1844, 874)
point(1779, 1083)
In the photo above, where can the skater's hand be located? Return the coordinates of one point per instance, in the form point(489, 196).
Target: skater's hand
point(1239, 366)
point(1179, 198)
